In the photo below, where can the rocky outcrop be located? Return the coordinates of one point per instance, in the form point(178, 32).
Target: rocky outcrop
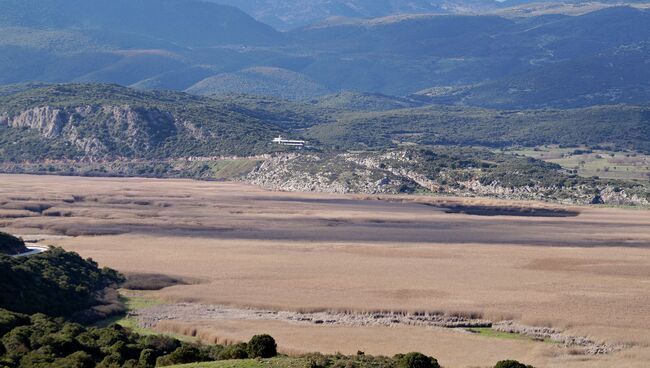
point(401, 171)
point(48, 120)
point(313, 173)
point(99, 130)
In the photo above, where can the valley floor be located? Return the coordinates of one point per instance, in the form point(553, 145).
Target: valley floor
point(241, 246)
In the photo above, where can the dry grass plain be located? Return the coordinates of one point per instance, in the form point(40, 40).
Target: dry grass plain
point(588, 274)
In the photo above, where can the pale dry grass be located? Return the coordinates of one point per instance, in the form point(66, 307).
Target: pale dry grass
point(587, 274)
point(451, 348)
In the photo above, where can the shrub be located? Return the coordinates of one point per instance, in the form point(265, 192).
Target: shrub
point(237, 351)
point(145, 281)
point(417, 360)
point(511, 364)
point(262, 346)
point(182, 355)
point(79, 359)
point(147, 358)
point(162, 343)
point(9, 320)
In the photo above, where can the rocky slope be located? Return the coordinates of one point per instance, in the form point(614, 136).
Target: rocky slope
point(97, 122)
point(446, 171)
point(135, 129)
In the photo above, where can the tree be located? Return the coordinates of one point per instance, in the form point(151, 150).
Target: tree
point(147, 358)
point(417, 360)
point(79, 359)
point(511, 364)
point(262, 346)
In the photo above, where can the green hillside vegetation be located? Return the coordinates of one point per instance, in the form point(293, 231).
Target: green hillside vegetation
point(264, 81)
point(54, 282)
point(108, 121)
point(356, 101)
point(11, 245)
point(623, 127)
point(42, 341)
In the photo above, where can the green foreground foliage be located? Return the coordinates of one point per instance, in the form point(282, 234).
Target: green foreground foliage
point(42, 341)
point(55, 282)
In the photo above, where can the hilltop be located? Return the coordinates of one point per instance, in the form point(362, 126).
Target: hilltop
point(108, 122)
point(260, 81)
point(11, 245)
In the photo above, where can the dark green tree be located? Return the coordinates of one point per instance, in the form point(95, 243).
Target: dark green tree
point(511, 364)
point(417, 360)
point(147, 358)
point(262, 346)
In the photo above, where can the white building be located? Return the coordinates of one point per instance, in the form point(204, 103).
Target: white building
point(289, 142)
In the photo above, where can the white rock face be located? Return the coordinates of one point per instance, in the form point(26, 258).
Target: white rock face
point(125, 125)
point(49, 121)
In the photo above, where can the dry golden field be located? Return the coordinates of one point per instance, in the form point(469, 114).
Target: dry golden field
point(588, 275)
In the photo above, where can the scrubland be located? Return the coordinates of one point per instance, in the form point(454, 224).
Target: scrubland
point(238, 245)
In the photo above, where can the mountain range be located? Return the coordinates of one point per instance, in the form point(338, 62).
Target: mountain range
point(292, 14)
point(491, 59)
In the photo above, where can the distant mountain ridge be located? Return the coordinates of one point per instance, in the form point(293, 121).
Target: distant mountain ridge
point(265, 81)
point(193, 23)
point(555, 61)
point(293, 14)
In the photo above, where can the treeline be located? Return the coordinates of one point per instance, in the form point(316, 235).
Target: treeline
point(42, 341)
point(55, 282)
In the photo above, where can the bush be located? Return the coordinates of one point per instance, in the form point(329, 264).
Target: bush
point(187, 354)
point(79, 359)
point(147, 358)
point(417, 360)
point(511, 364)
point(262, 346)
point(146, 281)
point(237, 351)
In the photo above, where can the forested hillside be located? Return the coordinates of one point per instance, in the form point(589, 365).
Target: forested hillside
point(89, 121)
point(623, 127)
point(108, 121)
